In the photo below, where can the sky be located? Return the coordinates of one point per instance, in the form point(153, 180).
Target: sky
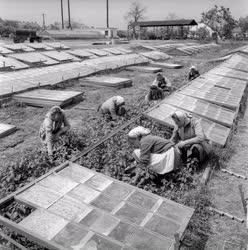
point(93, 12)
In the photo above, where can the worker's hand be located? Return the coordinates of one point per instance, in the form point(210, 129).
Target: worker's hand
point(180, 145)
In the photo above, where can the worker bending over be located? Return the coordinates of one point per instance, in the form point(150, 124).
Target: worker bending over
point(153, 153)
point(162, 82)
point(193, 73)
point(54, 125)
point(155, 94)
point(113, 106)
point(189, 137)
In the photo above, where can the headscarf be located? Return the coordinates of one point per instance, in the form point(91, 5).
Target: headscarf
point(119, 100)
point(54, 110)
point(193, 67)
point(183, 117)
point(138, 131)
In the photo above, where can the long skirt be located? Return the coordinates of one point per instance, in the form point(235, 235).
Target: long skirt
point(160, 163)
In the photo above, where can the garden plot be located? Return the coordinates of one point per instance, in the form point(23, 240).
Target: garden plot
point(78, 207)
point(34, 58)
point(18, 47)
point(107, 81)
point(5, 51)
point(39, 46)
point(81, 53)
point(215, 132)
point(44, 97)
point(57, 45)
point(204, 109)
point(155, 55)
point(144, 69)
point(60, 56)
point(6, 129)
point(10, 63)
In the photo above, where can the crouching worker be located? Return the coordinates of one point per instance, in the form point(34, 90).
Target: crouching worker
point(162, 82)
point(113, 106)
point(54, 125)
point(193, 73)
point(189, 137)
point(153, 153)
point(155, 93)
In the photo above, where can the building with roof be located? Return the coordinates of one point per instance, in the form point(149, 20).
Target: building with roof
point(169, 26)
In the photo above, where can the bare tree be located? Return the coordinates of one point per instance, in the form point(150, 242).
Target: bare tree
point(135, 14)
point(171, 16)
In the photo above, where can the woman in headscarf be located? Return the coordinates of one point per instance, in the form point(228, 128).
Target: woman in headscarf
point(155, 93)
point(162, 82)
point(54, 125)
point(189, 136)
point(113, 106)
point(193, 73)
point(153, 153)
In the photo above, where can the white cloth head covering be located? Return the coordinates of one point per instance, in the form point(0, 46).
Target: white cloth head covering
point(183, 117)
point(193, 67)
point(138, 131)
point(119, 100)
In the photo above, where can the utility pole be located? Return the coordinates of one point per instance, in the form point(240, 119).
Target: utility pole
point(107, 10)
point(43, 18)
point(62, 14)
point(69, 15)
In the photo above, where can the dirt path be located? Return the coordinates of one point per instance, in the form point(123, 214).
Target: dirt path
point(225, 195)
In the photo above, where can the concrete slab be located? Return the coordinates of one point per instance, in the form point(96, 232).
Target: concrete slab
point(98, 52)
point(46, 97)
point(43, 223)
point(142, 200)
point(58, 184)
point(71, 236)
point(6, 129)
point(70, 209)
point(39, 196)
point(144, 69)
point(84, 193)
point(99, 182)
point(106, 81)
point(39, 46)
point(81, 53)
point(131, 214)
